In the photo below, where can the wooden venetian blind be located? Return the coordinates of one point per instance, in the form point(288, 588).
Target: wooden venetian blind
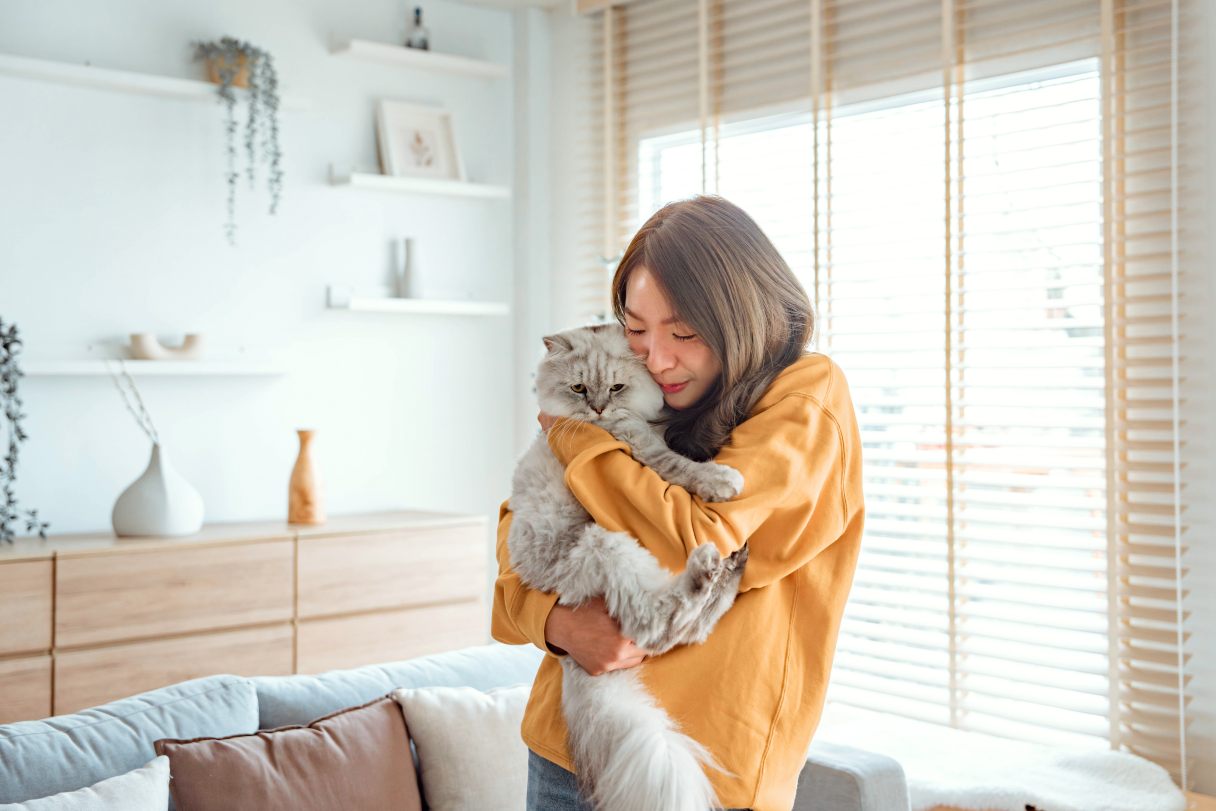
point(1147, 161)
point(982, 197)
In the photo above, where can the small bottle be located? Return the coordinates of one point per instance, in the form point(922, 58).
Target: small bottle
point(406, 275)
point(418, 37)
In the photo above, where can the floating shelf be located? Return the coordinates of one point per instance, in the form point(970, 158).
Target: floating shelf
point(150, 368)
point(418, 185)
point(422, 60)
point(515, 5)
point(340, 299)
point(120, 80)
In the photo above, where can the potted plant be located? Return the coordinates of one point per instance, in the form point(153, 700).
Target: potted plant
point(233, 63)
point(10, 374)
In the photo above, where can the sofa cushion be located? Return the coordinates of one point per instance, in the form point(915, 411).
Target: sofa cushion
point(839, 777)
point(67, 752)
point(145, 789)
point(290, 700)
point(357, 758)
point(470, 754)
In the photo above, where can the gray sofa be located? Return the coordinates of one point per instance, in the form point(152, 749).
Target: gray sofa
point(40, 758)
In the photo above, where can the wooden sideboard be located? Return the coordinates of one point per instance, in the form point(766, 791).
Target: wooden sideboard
point(85, 619)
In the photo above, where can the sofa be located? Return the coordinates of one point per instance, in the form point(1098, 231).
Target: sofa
point(68, 753)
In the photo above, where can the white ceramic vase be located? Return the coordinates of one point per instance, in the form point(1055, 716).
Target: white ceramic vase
point(160, 502)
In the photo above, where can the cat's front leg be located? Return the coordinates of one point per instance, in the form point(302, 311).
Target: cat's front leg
point(722, 592)
point(697, 598)
point(709, 480)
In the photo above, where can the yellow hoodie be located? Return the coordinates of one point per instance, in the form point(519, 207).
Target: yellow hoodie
point(754, 691)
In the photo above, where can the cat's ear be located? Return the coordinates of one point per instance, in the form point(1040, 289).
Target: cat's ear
point(558, 343)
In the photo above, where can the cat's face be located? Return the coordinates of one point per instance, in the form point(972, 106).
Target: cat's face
point(590, 374)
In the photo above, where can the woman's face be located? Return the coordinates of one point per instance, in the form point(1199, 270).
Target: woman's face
point(678, 360)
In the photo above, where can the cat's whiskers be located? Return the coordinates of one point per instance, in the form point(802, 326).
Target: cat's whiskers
point(565, 428)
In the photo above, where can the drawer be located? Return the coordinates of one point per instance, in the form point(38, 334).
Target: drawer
point(25, 605)
point(25, 688)
point(122, 594)
point(388, 636)
point(85, 678)
point(350, 573)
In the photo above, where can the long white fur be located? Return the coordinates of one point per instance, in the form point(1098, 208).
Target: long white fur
point(629, 755)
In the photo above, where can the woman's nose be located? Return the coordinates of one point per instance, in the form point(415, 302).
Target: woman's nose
point(659, 359)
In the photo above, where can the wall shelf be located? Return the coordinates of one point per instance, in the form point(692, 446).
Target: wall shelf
point(339, 298)
point(151, 368)
point(518, 5)
point(123, 81)
point(418, 185)
point(423, 60)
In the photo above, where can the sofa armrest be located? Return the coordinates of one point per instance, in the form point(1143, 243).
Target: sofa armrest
point(841, 778)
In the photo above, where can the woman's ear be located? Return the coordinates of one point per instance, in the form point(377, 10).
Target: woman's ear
point(558, 343)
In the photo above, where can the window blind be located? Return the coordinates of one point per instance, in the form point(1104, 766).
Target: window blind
point(982, 197)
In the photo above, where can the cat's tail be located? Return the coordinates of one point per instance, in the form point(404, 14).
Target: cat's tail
point(628, 753)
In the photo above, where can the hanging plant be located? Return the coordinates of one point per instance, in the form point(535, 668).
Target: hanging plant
point(10, 374)
point(234, 63)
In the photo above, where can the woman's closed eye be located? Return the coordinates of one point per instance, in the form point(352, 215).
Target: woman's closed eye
point(676, 335)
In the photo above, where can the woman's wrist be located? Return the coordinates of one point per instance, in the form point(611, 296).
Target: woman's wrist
point(554, 628)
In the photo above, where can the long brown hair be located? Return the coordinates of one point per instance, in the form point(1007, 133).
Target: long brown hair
point(725, 279)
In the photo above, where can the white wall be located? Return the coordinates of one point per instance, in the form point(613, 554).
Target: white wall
point(111, 208)
point(535, 228)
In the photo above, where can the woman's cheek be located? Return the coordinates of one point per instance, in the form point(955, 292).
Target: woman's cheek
point(637, 346)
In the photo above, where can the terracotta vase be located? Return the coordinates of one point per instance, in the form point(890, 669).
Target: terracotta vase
point(304, 493)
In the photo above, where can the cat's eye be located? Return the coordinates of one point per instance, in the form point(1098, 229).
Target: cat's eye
point(578, 388)
point(617, 387)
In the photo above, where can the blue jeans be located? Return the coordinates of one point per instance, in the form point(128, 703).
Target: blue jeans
point(552, 788)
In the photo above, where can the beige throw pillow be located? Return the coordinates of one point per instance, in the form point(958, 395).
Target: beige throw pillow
point(470, 754)
point(144, 789)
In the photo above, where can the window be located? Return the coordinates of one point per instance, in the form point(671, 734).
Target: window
point(1020, 641)
point(984, 199)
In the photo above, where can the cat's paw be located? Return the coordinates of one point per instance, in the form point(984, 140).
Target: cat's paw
point(735, 562)
point(703, 567)
point(718, 482)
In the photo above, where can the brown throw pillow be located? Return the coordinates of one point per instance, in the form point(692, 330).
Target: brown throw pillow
point(358, 758)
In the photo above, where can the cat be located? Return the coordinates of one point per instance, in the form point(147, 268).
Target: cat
point(629, 756)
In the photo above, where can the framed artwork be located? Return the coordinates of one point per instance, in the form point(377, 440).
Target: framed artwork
point(416, 141)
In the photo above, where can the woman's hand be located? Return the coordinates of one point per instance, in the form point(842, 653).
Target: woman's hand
point(592, 637)
point(546, 421)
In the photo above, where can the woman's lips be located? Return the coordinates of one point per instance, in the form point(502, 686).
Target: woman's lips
point(673, 388)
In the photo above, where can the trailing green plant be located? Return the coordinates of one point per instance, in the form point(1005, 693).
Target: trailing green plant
point(229, 56)
point(10, 374)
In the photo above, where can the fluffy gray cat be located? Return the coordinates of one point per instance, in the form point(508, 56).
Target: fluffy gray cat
point(628, 754)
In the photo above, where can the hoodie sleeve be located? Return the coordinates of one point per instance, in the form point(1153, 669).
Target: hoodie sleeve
point(519, 613)
point(795, 502)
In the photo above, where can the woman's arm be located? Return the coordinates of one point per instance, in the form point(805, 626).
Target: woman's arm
point(801, 483)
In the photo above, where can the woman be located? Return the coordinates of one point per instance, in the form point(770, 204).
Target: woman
point(723, 326)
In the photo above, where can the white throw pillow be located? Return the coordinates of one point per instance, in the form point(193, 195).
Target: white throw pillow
point(144, 789)
point(470, 754)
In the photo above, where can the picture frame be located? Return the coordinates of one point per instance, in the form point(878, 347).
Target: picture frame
point(416, 140)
